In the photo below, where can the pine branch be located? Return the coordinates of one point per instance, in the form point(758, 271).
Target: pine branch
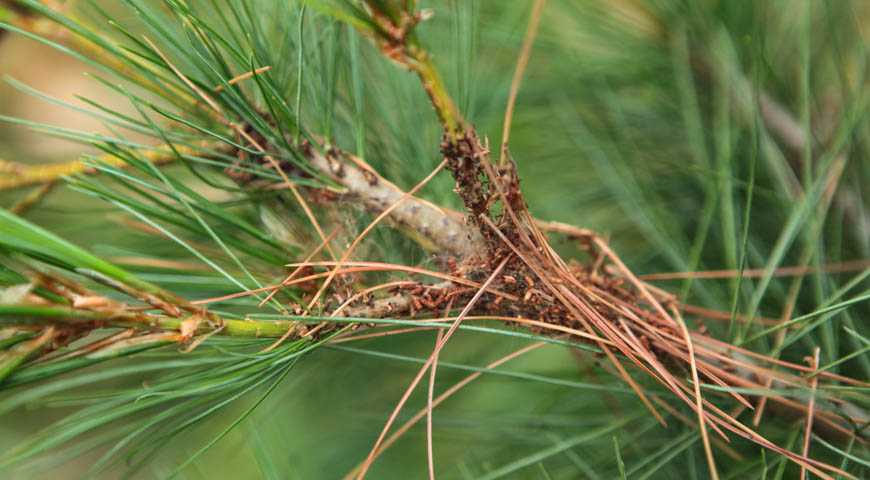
point(600, 302)
point(17, 176)
point(438, 228)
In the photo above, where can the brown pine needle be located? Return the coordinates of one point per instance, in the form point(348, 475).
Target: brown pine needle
point(765, 358)
point(711, 371)
point(302, 203)
point(808, 428)
point(89, 348)
point(371, 457)
point(726, 316)
point(207, 99)
point(699, 405)
point(160, 263)
point(444, 396)
point(605, 248)
point(575, 305)
point(33, 198)
point(787, 312)
point(519, 72)
point(430, 454)
point(793, 271)
point(241, 78)
point(13, 176)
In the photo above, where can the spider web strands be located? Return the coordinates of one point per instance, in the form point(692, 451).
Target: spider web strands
point(386, 267)
point(297, 270)
point(369, 228)
point(356, 267)
point(438, 323)
point(368, 291)
point(722, 363)
point(727, 347)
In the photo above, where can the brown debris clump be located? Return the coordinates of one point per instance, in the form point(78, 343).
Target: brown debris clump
point(604, 304)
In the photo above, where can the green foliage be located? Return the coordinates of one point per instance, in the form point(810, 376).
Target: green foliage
point(25, 238)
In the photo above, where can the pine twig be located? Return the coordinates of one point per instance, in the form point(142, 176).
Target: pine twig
point(17, 176)
point(438, 227)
